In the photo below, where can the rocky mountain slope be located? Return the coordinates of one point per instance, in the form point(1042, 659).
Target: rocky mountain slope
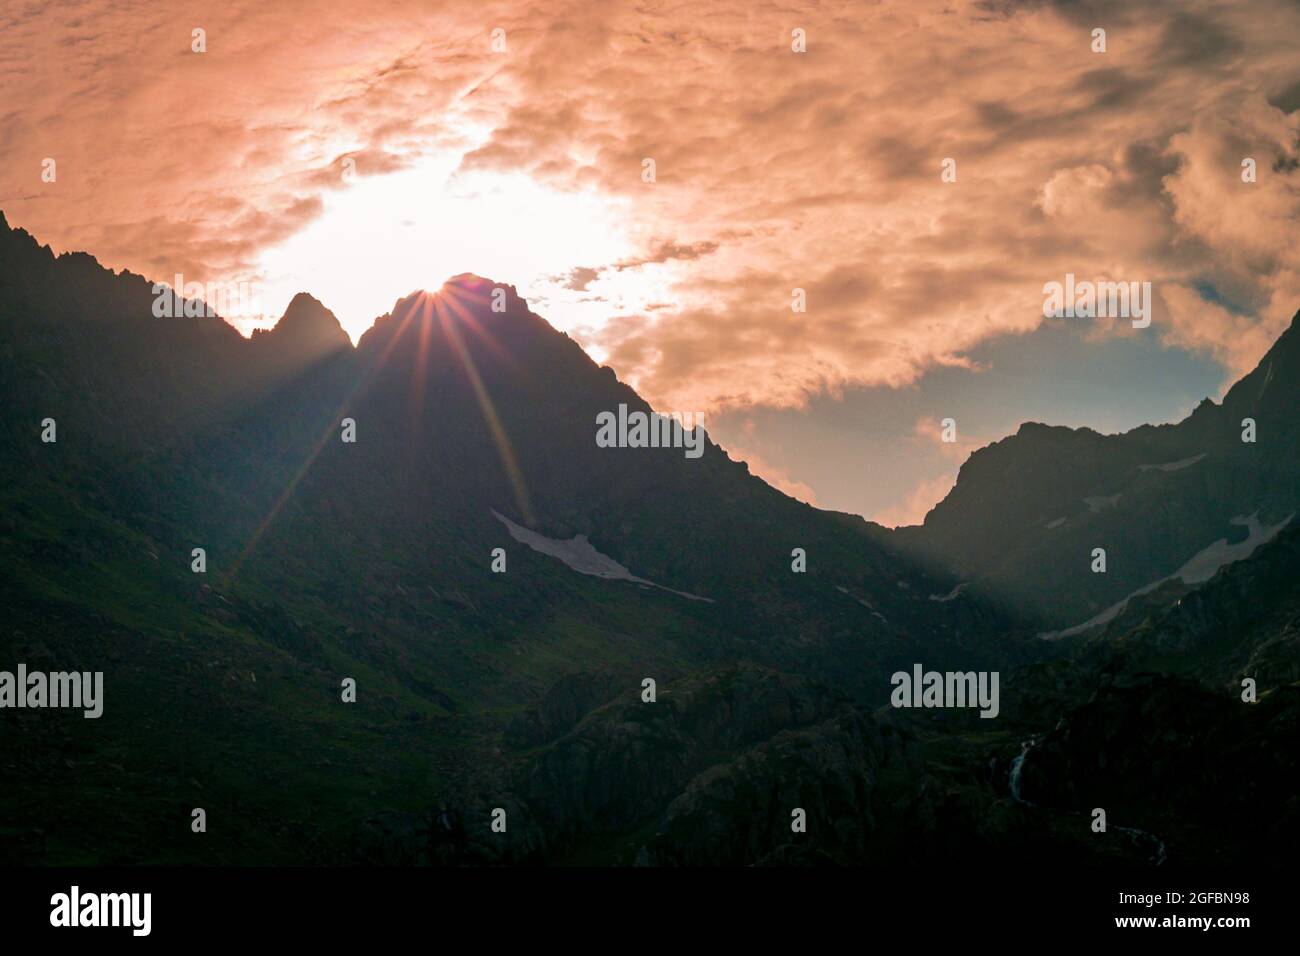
point(1027, 512)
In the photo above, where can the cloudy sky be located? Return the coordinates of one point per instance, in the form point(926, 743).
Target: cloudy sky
point(361, 150)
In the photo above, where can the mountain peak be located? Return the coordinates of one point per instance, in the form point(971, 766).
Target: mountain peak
point(462, 298)
point(307, 328)
point(477, 283)
point(1289, 340)
point(305, 311)
point(1267, 390)
point(466, 289)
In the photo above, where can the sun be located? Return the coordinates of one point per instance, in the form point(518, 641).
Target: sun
point(383, 237)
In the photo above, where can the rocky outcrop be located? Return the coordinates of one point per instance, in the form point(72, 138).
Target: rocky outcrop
point(568, 701)
point(623, 764)
point(743, 812)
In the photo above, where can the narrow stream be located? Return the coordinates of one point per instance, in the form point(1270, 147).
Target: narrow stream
point(1149, 841)
point(1140, 838)
point(1017, 767)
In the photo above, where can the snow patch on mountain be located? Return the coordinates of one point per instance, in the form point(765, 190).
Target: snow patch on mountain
point(579, 554)
point(1173, 465)
point(866, 604)
point(1097, 504)
point(951, 595)
point(1202, 566)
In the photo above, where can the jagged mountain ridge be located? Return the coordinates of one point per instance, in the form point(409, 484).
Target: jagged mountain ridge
point(494, 409)
point(1026, 512)
point(370, 560)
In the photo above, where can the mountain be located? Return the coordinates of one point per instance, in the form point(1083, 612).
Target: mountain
point(306, 333)
point(371, 559)
point(352, 507)
point(1027, 512)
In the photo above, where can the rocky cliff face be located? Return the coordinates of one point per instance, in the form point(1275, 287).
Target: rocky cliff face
point(564, 705)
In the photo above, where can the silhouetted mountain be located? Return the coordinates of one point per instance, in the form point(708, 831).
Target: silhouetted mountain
point(306, 333)
point(349, 504)
point(1027, 512)
point(475, 429)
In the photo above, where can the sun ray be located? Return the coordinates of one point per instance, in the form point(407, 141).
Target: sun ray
point(358, 387)
point(444, 305)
